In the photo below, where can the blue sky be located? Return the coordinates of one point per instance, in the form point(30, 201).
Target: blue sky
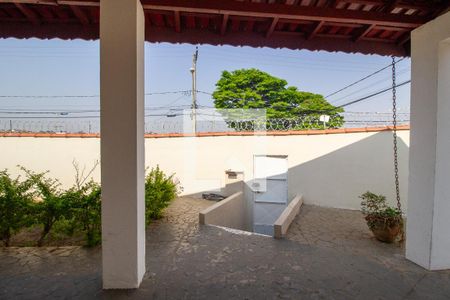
point(56, 67)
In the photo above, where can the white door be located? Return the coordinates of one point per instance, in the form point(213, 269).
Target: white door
point(270, 190)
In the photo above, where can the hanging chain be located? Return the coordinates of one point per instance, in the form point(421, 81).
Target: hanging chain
point(394, 130)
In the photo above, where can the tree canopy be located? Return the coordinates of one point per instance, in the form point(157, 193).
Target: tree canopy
point(252, 88)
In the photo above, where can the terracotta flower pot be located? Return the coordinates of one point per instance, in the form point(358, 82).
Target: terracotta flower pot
point(387, 234)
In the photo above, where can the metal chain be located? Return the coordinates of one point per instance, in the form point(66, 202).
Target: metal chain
point(394, 130)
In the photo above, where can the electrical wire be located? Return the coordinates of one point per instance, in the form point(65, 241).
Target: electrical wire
point(364, 78)
point(374, 94)
point(89, 96)
point(336, 101)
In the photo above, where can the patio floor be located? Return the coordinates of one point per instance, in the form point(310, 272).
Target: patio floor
point(328, 254)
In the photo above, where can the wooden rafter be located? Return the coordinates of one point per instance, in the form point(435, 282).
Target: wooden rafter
point(389, 6)
point(282, 11)
point(177, 18)
point(223, 27)
point(239, 22)
point(55, 2)
point(404, 39)
point(315, 30)
point(363, 33)
point(331, 3)
point(43, 2)
point(79, 13)
point(272, 27)
point(385, 5)
point(29, 13)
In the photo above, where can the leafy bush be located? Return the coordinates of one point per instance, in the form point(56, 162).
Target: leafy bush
point(85, 198)
point(15, 205)
point(160, 190)
point(86, 211)
point(52, 204)
point(378, 213)
point(39, 200)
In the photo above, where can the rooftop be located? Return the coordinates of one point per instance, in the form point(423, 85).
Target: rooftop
point(365, 26)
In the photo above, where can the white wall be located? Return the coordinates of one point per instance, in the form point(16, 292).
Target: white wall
point(328, 170)
point(229, 212)
point(428, 238)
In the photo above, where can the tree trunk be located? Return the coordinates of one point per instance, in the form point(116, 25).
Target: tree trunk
point(44, 233)
point(6, 236)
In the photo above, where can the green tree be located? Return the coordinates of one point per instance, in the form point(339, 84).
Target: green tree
point(252, 89)
point(16, 202)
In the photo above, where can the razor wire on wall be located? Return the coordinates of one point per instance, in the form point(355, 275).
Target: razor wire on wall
point(205, 123)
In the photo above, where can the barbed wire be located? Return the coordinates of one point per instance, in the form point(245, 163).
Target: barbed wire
point(181, 122)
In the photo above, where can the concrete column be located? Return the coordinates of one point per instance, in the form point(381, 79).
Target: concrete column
point(428, 223)
point(122, 142)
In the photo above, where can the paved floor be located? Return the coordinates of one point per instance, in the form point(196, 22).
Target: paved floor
point(329, 254)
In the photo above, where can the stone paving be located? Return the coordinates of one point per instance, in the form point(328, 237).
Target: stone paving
point(328, 254)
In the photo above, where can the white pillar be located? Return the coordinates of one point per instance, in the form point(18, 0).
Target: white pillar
point(428, 216)
point(122, 142)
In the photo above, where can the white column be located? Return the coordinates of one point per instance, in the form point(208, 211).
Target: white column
point(122, 142)
point(428, 215)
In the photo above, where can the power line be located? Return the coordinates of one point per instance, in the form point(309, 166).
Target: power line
point(186, 93)
point(336, 101)
point(85, 117)
point(374, 94)
point(364, 78)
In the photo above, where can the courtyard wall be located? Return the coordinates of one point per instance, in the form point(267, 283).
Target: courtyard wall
point(329, 168)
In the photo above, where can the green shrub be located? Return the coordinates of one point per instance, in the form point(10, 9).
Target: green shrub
point(85, 199)
point(51, 205)
point(15, 205)
point(40, 200)
point(86, 211)
point(160, 190)
point(377, 212)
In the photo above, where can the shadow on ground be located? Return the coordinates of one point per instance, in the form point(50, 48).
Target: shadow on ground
point(327, 255)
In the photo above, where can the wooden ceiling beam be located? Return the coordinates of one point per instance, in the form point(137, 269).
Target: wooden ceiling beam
point(282, 11)
point(79, 13)
point(55, 2)
point(28, 13)
point(223, 27)
point(331, 3)
point(43, 2)
point(272, 27)
point(404, 39)
point(385, 5)
point(78, 2)
point(389, 6)
point(349, 25)
point(177, 18)
point(388, 28)
point(363, 33)
point(254, 19)
point(315, 30)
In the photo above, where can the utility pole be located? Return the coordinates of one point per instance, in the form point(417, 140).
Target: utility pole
point(194, 90)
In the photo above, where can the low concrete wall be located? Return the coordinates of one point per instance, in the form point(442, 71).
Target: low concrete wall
point(230, 212)
point(327, 169)
point(284, 221)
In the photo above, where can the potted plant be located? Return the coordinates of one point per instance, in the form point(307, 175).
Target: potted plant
point(384, 221)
